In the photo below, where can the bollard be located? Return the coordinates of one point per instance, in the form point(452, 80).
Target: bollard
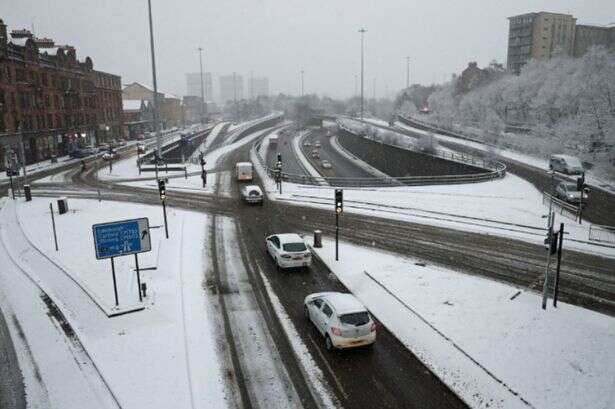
point(317, 239)
point(144, 289)
point(62, 205)
point(27, 192)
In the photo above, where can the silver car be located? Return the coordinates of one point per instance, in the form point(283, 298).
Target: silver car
point(341, 319)
point(568, 192)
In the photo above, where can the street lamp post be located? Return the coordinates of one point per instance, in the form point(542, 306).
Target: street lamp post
point(202, 87)
point(362, 31)
point(302, 82)
point(155, 99)
point(235, 96)
point(407, 72)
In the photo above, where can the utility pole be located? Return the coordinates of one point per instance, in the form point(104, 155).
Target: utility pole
point(362, 31)
point(251, 84)
point(202, 86)
point(356, 86)
point(302, 82)
point(407, 72)
point(374, 90)
point(155, 100)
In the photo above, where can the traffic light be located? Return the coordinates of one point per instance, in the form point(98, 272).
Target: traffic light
point(280, 157)
point(553, 244)
point(581, 183)
point(339, 201)
point(162, 189)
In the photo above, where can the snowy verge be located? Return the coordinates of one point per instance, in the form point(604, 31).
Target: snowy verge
point(489, 349)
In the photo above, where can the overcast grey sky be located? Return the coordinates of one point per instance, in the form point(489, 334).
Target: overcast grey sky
point(277, 38)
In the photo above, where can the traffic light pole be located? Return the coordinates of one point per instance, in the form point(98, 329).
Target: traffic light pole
point(545, 284)
point(337, 235)
point(164, 212)
point(559, 261)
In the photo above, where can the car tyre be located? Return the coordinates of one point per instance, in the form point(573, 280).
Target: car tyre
point(306, 312)
point(329, 343)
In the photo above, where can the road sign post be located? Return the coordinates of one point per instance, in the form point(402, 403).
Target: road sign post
point(121, 238)
point(138, 276)
point(53, 224)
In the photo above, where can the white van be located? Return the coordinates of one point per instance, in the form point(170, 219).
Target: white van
point(566, 164)
point(244, 171)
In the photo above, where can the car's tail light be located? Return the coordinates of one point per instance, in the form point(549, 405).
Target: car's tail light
point(285, 256)
point(336, 331)
point(373, 327)
point(307, 255)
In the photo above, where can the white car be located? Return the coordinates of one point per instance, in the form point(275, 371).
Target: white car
point(288, 251)
point(252, 194)
point(317, 144)
point(326, 164)
point(109, 155)
point(341, 319)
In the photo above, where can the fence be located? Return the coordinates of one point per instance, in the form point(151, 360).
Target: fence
point(603, 234)
point(561, 207)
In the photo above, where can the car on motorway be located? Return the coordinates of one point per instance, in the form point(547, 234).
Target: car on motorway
point(315, 154)
point(288, 250)
point(326, 164)
point(568, 192)
point(244, 171)
point(317, 144)
point(307, 144)
point(567, 164)
point(82, 153)
point(341, 319)
point(252, 194)
point(110, 155)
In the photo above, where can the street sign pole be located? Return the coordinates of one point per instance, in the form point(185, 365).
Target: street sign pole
point(114, 282)
point(138, 276)
point(546, 282)
point(11, 180)
point(53, 224)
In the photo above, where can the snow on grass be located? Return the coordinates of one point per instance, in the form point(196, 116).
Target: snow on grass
point(163, 356)
point(485, 346)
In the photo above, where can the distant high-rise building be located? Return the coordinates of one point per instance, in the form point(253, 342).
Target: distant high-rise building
point(193, 85)
point(588, 36)
point(258, 86)
point(231, 87)
point(539, 36)
point(542, 35)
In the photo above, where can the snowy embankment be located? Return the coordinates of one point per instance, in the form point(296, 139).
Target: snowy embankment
point(492, 350)
point(357, 161)
point(509, 207)
point(541, 163)
point(162, 356)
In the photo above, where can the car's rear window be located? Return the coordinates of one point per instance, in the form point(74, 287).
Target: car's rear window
point(356, 318)
point(292, 247)
point(570, 186)
point(254, 193)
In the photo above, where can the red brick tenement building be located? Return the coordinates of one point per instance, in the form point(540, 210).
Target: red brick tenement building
point(51, 100)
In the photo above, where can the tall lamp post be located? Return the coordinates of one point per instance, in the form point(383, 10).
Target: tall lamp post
point(202, 87)
point(302, 82)
point(407, 72)
point(362, 31)
point(155, 99)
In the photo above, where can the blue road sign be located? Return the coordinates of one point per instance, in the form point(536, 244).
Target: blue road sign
point(121, 238)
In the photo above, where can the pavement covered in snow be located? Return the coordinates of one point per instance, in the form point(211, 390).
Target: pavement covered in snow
point(160, 357)
point(492, 350)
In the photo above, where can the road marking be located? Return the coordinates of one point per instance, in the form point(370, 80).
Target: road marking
point(335, 378)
